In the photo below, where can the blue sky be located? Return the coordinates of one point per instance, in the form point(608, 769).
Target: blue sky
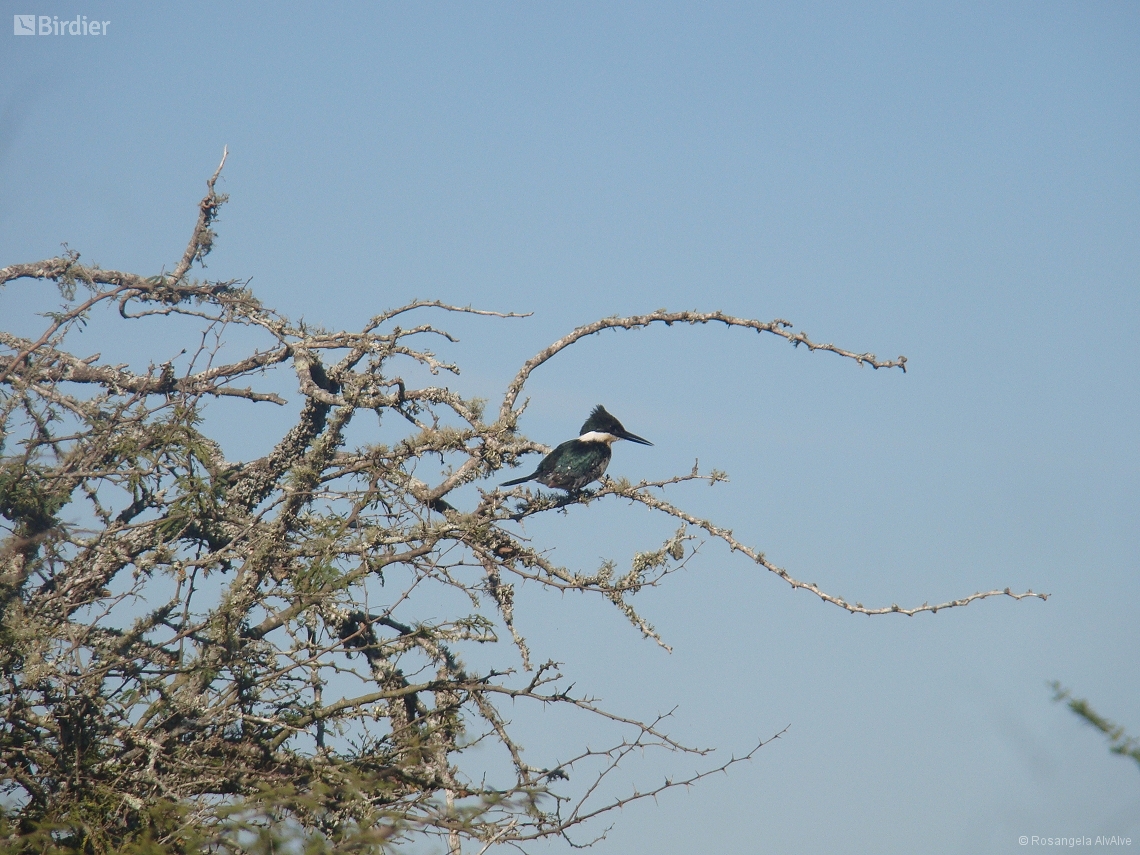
point(954, 182)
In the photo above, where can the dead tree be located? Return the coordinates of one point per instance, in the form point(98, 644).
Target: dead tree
point(198, 652)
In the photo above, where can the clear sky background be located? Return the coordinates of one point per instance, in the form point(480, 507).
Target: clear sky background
point(959, 183)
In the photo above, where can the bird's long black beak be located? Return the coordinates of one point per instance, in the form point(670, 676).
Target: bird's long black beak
point(632, 437)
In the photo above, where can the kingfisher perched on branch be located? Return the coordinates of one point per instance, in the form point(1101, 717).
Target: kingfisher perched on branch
point(577, 462)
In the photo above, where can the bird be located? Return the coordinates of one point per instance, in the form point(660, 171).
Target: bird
point(577, 462)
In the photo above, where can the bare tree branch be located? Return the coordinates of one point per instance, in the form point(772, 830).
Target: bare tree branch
point(202, 240)
point(777, 327)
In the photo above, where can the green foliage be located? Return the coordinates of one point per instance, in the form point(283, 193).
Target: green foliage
point(1119, 742)
point(27, 497)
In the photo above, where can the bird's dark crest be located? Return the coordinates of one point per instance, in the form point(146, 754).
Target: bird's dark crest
point(600, 420)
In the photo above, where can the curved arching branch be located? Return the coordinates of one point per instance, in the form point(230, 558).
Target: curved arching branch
point(777, 327)
point(639, 493)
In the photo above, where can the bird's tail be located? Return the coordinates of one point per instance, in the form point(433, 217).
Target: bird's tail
point(517, 481)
